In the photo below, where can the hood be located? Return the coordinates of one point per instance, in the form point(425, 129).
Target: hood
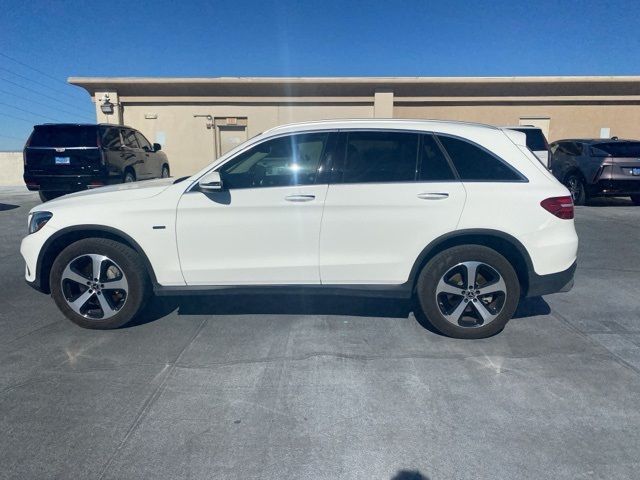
point(112, 193)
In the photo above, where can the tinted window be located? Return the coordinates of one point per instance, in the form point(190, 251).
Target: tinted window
point(129, 138)
point(64, 136)
point(475, 163)
point(284, 161)
point(380, 157)
point(433, 164)
point(618, 149)
point(111, 139)
point(535, 138)
point(143, 141)
point(570, 148)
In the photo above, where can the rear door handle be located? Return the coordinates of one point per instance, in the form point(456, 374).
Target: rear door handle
point(433, 195)
point(300, 198)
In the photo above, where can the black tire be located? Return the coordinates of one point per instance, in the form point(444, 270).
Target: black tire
point(447, 261)
point(46, 196)
point(165, 172)
point(129, 177)
point(635, 199)
point(575, 184)
point(132, 266)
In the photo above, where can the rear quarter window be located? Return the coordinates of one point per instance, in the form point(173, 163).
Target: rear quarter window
point(64, 136)
point(474, 163)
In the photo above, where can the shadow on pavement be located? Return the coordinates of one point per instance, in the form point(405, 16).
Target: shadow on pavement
point(610, 202)
point(289, 304)
point(7, 206)
point(409, 475)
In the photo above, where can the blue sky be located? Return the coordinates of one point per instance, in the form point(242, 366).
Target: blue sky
point(302, 38)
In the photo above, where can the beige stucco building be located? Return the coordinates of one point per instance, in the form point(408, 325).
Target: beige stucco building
point(197, 119)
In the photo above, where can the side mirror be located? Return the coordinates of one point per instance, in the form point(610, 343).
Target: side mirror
point(157, 147)
point(211, 182)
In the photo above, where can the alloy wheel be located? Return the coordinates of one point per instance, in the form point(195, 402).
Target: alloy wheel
point(471, 294)
point(573, 184)
point(94, 286)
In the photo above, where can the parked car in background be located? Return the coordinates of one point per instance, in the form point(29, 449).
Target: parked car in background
point(65, 158)
point(451, 213)
point(597, 167)
point(536, 142)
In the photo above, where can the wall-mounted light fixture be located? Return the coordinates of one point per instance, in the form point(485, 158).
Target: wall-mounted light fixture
point(106, 106)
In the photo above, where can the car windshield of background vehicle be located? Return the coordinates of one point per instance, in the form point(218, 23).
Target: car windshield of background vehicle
point(622, 149)
point(64, 136)
point(535, 139)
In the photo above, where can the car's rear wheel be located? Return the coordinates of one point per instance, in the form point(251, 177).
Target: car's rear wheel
point(576, 187)
point(468, 291)
point(165, 171)
point(129, 177)
point(99, 283)
point(635, 199)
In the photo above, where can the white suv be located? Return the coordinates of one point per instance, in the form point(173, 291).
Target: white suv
point(460, 216)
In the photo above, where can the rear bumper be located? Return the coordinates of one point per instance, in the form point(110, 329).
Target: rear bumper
point(67, 183)
point(553, 283)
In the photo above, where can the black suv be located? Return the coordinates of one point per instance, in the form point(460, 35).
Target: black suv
point(597, 167)
point(65, 158)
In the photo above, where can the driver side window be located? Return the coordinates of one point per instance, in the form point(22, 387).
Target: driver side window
point(281, 162)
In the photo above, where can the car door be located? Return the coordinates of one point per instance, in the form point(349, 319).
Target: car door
point(264, 227)
point(151, 158)
point(394, 192)
point(133, 155)
point(111, 144)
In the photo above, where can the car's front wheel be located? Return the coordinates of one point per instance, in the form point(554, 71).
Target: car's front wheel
point(99, 283)
point(468, 291)
point(635, 199)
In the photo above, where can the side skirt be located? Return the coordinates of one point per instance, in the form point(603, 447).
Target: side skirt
point(383, 291)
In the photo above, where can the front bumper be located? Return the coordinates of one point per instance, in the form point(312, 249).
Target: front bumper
point(553, 283)
point(30, 249)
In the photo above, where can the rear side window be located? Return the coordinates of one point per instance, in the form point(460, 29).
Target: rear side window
point(476, 164)
point(380, 157)
point(535, 138)
point(618, 149)
point(129, 137)
point(64, 136)
point(573, 149)
point(433, 164)
point(111, 139)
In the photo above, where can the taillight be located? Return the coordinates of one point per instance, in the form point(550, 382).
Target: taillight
point(561, 207)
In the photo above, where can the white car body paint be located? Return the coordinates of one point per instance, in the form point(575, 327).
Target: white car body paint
point(361, 233)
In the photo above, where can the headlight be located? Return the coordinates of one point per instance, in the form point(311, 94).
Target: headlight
point(38, 220)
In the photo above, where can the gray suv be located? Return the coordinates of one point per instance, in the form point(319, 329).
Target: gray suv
point(597, 167)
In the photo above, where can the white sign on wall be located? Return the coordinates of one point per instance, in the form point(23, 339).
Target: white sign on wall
point(605, 132)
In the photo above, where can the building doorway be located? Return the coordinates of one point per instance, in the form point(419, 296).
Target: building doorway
point(541, 122)
point(229, 133)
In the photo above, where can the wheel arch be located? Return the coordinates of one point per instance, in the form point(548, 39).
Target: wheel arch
point(66, 236)
point(507, 245)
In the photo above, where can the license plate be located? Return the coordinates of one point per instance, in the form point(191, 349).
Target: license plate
point(63, 160)
point(635, 171)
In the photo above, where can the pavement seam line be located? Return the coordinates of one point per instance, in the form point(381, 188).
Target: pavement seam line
point(151, 399)
point(615, 356)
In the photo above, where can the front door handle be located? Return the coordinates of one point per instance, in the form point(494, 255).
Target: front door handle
point(300, 198)
point(433, 195)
